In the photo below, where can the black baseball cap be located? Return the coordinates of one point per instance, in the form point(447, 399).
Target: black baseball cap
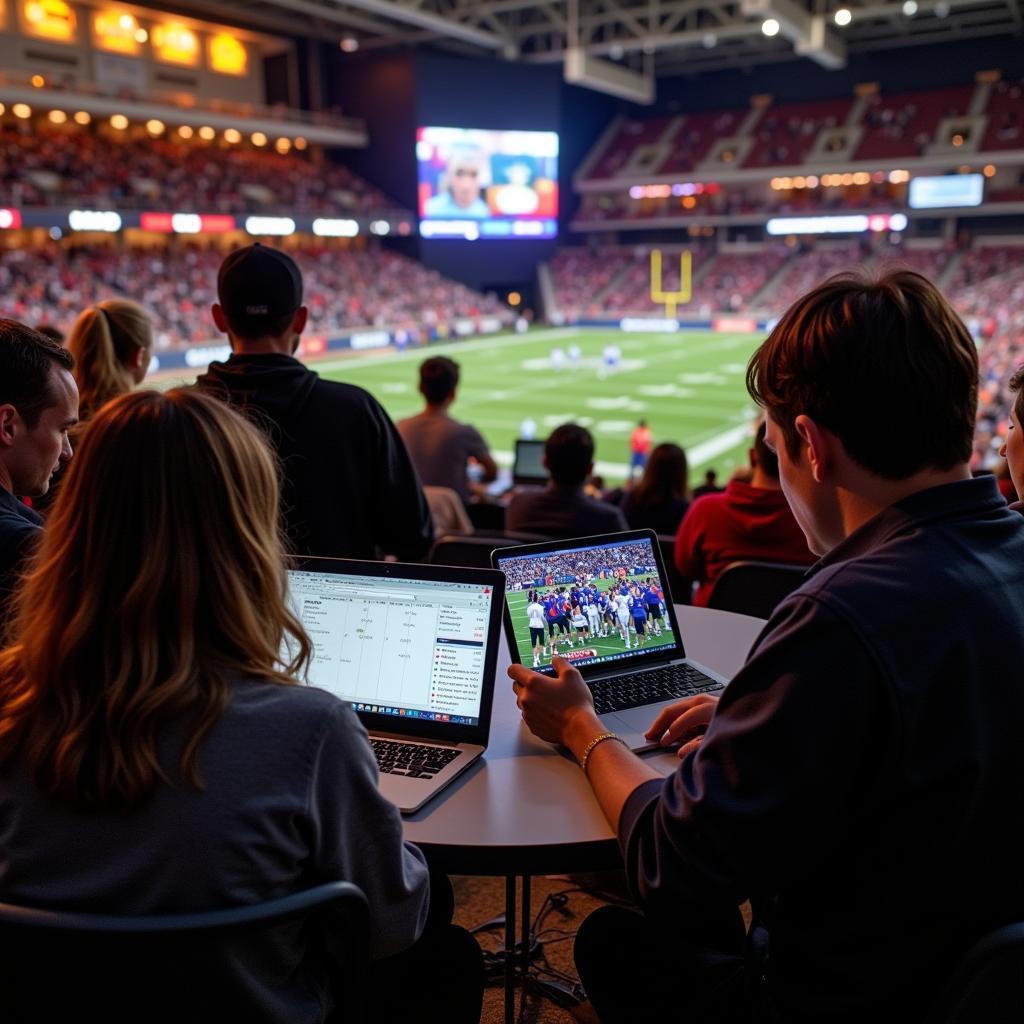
point(258, 285)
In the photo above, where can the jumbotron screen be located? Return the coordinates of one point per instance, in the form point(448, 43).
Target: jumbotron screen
point(475, 183)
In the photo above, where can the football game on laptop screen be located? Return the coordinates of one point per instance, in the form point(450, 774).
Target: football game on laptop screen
point(410, 648)
point(589, 604)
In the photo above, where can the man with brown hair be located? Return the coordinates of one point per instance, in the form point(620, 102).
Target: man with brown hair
point(38, 405)
point(1013, 444)
point(861, 778)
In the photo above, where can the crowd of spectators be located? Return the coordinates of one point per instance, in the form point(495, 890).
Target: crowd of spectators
point(525, 571)
point(345, 288)
point(47, 165)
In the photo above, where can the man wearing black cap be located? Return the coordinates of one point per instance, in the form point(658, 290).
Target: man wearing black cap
point(349, 489)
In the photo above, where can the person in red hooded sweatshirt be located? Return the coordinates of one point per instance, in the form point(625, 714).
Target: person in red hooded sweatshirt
point(746, 521)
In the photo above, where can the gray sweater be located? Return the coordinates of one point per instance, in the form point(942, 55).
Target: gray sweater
point(290, 801)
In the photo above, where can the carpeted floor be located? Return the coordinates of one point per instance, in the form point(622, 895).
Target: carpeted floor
point(479, 900)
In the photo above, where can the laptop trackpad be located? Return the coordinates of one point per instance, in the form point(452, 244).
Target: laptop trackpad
point(632, 723)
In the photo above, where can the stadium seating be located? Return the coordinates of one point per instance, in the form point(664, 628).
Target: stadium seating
point(344, 288)
point(47, 165)
point(902, 125)
point(1005, 129)
point(786, 133)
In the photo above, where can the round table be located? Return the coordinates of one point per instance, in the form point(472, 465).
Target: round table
point(525, 807)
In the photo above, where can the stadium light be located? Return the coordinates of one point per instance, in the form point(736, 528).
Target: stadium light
point(301, 143)
point(258, 139)
point(283, 145)
point(94, 220)
point(186, 223)
point(770, 27)
point(232, 135)
point(82, 117)
point(38, 81)
point(910, 8)
point(10, 219)
point(22, 110)
point(185, 131)
point(155, 127)
point(57, 117)
point(380, 227)
point(207, 133)
point(326, 227)
point(843, 17)
point(270, 226)
point(118, 122)
point(349, 44)
point(3, 109)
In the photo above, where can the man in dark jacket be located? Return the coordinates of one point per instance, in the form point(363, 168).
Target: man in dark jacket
point(349, 489)
point(861, 779)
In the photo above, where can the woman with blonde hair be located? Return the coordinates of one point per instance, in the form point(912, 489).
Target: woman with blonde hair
point(112, 343)
point(150, 715)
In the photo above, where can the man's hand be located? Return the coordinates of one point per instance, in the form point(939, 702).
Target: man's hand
point(559, 710)
point(686, 721)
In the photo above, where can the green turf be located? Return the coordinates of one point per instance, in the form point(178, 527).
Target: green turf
point(688, 386)
point(602, 645)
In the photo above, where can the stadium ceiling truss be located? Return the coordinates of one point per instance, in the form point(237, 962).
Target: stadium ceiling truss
point(645, 37)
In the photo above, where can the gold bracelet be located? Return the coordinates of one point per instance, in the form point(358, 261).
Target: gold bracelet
point(589, 748)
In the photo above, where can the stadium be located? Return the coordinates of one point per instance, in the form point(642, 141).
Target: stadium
point(598, 211)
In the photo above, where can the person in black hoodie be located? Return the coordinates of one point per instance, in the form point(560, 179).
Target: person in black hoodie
point(349, 489)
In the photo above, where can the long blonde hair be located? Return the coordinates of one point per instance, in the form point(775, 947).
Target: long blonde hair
point(105, 340)
point(158, 580)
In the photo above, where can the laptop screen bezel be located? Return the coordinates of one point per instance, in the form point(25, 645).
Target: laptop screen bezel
point(417, 727)
point(527, 478)
point(641, 659)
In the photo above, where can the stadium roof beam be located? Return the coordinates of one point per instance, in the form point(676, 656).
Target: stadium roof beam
point(809, 33)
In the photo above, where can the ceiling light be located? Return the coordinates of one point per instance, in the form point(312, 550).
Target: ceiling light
point(22, 110)
point(258, 139)
point(910, 8)
point(57, 117)
point(232, 135)
point(155, 127)
point(119, 121)
point(770, 27)
point(207, 133)
point(82, 117)
point(843, 17)
point(349, 44)
point(186, 132)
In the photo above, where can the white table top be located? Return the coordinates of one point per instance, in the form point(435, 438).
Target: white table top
point(525, 807)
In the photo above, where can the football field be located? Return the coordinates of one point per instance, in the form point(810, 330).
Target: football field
point(689, 386)
point(595, 646)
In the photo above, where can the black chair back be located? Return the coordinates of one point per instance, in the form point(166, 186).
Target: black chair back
point(755, 588)
point(486, 516)
point(474, 552)
point(988, 985)
point(197, 967)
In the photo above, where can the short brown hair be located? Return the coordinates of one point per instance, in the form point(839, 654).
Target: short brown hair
point(569, 451)
point(886, 365)
point(27, 360)
point(439, 377)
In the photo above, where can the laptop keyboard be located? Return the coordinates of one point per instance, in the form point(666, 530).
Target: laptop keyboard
point(650, 687)
point(414, 760)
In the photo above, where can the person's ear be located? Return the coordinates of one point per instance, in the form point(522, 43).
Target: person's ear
point(300, 319)
point(219, 319)
point(8, 425)
point(752, 457)
point(817, 446)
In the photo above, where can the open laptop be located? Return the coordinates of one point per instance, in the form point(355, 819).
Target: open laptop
point(528, 467)
point(590, 591)
point(413, 649)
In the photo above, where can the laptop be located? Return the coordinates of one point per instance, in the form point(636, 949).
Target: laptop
point(603, 603)
point(528, 467)
point(413, 649)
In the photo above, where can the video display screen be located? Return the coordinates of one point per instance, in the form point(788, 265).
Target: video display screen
point(932, 193)
point(476, 183)
point(589, 605)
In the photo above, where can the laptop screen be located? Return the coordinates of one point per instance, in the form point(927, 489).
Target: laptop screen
point(409, 648)
point(529, 463)
point(588, 603)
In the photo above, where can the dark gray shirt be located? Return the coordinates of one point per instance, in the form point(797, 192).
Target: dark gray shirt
point(555, 511)
point(440, 447)
point(290, 801)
